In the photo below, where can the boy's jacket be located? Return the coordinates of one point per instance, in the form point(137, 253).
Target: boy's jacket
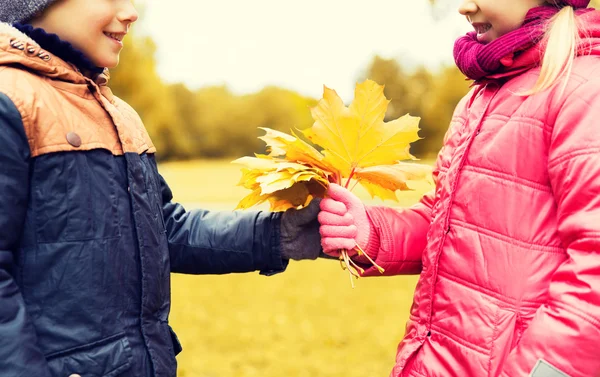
point(88, 232)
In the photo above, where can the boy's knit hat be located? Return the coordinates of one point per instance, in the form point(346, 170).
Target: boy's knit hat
point(12, 11)
point(23, 10)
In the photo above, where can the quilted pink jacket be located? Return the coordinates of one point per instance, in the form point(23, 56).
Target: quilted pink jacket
point(508, 245)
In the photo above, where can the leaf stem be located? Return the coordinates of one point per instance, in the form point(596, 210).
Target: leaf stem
point(362, 252)
point(350, 176)
point(356, 266)
point(348, 265)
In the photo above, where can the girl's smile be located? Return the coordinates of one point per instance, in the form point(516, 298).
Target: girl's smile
point(482, 29)
point(492, 19)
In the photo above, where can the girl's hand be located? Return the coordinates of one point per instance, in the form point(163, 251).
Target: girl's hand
point(344, 222)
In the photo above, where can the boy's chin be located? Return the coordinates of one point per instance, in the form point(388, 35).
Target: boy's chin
point(111, 62)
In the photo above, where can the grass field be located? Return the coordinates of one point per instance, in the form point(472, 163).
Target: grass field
point(307, 321)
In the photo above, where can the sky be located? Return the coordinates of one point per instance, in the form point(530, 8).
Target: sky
point(299, 45)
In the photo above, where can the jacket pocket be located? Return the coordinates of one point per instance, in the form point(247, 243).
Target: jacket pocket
point(108, 357)
point(507, 324)
point(74, 197)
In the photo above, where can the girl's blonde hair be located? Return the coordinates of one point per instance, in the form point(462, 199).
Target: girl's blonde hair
point(561, 41)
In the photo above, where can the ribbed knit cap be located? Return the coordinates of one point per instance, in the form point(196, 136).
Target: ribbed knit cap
point(12, 11)
point(577, 3)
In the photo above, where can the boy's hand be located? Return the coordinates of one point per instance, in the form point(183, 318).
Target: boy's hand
point(300, 237)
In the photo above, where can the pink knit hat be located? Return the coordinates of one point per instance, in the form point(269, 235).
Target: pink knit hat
point(577, 3)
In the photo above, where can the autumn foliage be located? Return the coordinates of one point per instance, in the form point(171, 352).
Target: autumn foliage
point(213, 122)
point(354, 144)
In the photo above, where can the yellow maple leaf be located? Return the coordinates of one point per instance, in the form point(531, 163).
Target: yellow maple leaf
point(249, 177)
point(357, 144)
point(273, 182)
point(357, 136)
point(383, 181)
point(296, 196)
point(284, 184)
point(294, 149)
point(252, 199)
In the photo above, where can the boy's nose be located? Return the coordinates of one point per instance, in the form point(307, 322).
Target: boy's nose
point(468, 7)
point(128, 13)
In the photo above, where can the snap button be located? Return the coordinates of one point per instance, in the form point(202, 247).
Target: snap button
point(43, 55)
point(74, 139)
point(18, 45)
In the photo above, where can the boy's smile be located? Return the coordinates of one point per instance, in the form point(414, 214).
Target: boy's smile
point(117, 37)
point(105, 25)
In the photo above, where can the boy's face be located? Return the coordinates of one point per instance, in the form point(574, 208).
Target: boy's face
point(492, 19)
point(94, 27)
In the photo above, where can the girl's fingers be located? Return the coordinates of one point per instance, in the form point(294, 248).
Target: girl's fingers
point(333, 253)
point(333, 231)
point(328, 218)
point(333, 206)
point(330, 244)
point(341, 194)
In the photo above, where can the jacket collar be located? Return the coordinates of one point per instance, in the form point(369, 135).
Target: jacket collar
point(16, 48)
point(63, 49)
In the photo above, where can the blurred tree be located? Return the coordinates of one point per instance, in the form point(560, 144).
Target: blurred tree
point(136, 81)
point(447, 89)
point(231, 122)
point(213, 122)
point(429, 95)
point(209, 122)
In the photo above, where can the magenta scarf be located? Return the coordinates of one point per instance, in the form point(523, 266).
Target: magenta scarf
point(478, 60)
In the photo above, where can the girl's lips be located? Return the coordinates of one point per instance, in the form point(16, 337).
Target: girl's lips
point(482, 30)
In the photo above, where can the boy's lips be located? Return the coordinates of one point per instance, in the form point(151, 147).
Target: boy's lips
point(116, 36)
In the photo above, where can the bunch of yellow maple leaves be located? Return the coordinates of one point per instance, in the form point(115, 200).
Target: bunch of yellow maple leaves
point(357, 147)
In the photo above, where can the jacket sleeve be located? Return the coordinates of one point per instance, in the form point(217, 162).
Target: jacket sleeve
point(565, 331)
point(20, 355)
point(401, 234)
point(209, 242)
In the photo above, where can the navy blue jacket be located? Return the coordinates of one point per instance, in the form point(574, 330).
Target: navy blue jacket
point(89, 234)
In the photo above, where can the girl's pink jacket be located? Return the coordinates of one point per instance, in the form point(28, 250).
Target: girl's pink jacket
point(508, 245)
